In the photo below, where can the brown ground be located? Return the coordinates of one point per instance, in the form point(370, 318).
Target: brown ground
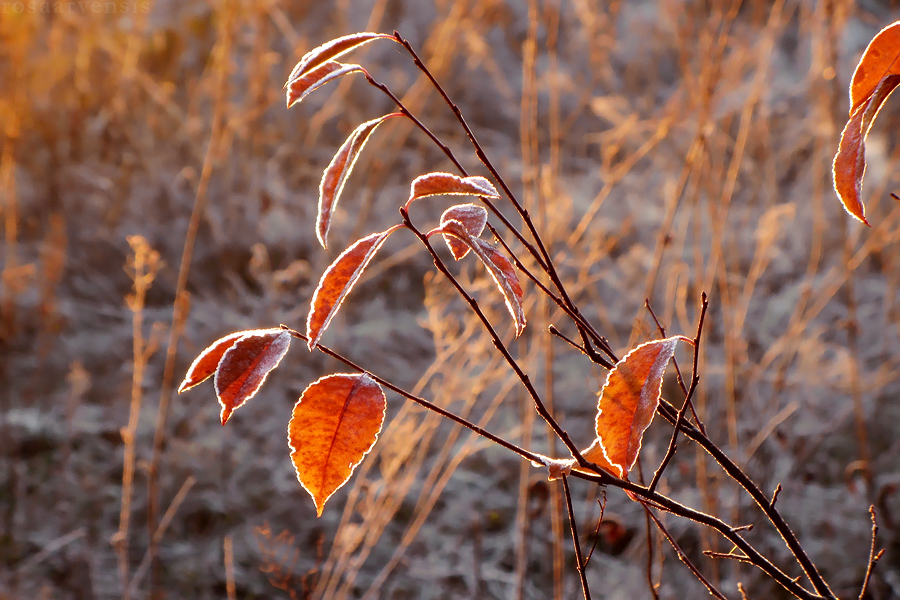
point(669, 148)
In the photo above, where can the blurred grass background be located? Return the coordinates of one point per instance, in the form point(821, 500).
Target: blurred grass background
point(665, 147)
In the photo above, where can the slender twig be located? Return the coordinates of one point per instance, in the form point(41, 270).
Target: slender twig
point(579, 562)
point(421, 401)
point(684, 558)
point(687, 398)
point(501, 347)
point(679, 378)
point(777, 491)
point(554, 331)
point(736, 557)
point(547, 261)
point(602, 504)
point(583, 326)
point(873, 555)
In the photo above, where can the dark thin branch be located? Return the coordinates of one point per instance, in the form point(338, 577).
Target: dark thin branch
point(602, 504)
point(500, 346)
point(523, 212)
point(736, 557)
point(554, 331)
point(873, 555)
point(579, 562)
point(421, 401)
point(680, 379)
point(684, 558)
point(695, 378)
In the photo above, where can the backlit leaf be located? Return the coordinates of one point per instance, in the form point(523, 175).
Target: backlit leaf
point(473, 218)
point(337, 281)
point(338, 170)
point(881, 58)
point(334, 425)
point(205, 365)
point(245, 366)
point(330, 51)
point(849, 166)
point(434, 184)
point(297, 89)
point(627, 404)
point(500, 268)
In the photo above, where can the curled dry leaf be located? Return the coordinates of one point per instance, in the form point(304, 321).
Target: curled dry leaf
point(627, 404)
point(300, 87)
point(207, 362)
point(338, 170)
point(849, 166)
point(329, 51)
point(334, 425)
point(876, 76)
point(245, 366)
point(337, 281)
point(472, 217)
point(437, 184)
point(500, 268)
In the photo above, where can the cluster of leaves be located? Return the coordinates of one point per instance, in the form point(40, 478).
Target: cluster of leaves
point(337, 419)
point(876, 76)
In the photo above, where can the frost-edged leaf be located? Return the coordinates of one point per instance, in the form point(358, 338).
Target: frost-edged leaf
point(881, 59)
point(500, 268)
point(436, 184)
point(338, 170)
point(334, 425)
point(330, 51)
point(473, 218)
point(245, 365)
point(849, 165)
point(337, 281)
point(627, 404)
point(298, 88)
point(206, 363)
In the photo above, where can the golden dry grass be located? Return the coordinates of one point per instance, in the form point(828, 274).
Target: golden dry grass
point(664, 147)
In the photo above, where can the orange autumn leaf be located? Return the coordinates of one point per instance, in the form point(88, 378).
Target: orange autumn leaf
point(473, 218)
point(299, 87)
point(334, 425)
point(627, 404)
point(500, 268)
point(880, 59)
point(439, 184)
point(245, 366)
point(207, 362)
point(329, 51)
point(337, 281)
point(337, 171)
point(849, 166)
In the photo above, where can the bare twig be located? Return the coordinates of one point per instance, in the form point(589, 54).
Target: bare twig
point(873, 555)
point(695, 378)
point(579, 563)
point(597, 531)
point(684, 558)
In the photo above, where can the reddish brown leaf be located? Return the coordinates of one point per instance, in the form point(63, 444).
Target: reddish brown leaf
point(434, 184)
point(500, 268)
point(337, 281)
point(849, 166)
point(627, 404)
point(337, 172)
point(205, 365)
point(334, 425)
point(472, 217)
point(297, 89)
point(330, 51)
point(245, 365)
point(881, 59)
